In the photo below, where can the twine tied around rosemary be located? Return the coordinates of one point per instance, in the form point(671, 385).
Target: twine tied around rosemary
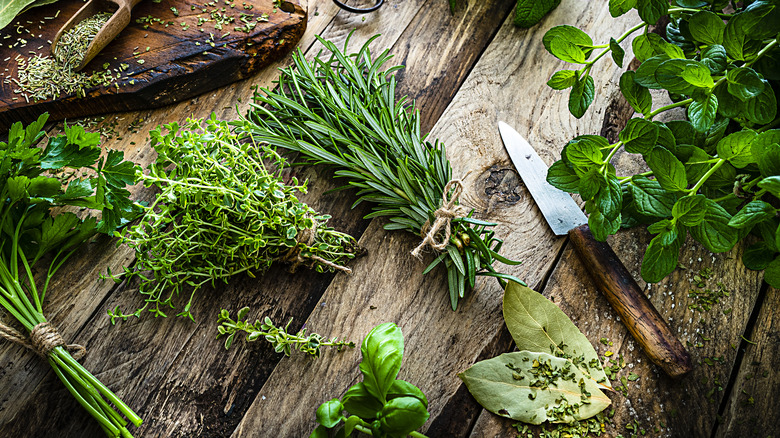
point(42, 340)
point(306, 236)
point(448, 211)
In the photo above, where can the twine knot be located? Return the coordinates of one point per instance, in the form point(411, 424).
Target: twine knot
point(42, 340)
point(448, 211)
point(306, 237)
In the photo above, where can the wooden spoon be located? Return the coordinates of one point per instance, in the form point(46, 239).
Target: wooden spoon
point(118, 21)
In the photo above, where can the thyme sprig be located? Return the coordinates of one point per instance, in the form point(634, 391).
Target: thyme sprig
point(220, 212)
point(279, 337)
point(341, 110)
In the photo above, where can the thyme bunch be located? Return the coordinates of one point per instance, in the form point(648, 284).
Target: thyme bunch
point(220, 212)
point(341, 110)
point(279, 337)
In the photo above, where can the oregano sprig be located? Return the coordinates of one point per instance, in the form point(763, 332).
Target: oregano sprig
point(341, 110)
point(712, 176)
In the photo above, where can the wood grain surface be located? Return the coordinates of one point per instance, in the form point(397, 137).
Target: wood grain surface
point(156, 62)
point(468, 69)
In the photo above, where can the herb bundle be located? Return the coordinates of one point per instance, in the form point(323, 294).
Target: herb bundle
point(380, 405)
point(34, 184)
point(715, 176)
point(342, 111)
point(221, 212)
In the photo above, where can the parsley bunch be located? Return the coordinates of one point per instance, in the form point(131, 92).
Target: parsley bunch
point(220, 212)
point(341, 110)
point(35, 184)
point(715, 176)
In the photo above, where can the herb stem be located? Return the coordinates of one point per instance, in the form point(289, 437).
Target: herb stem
point(761, 53)
point(365, 429)
point(706, 176)
point(608, 48)
point(668, 107)
point(691, 10)
point(611, 154)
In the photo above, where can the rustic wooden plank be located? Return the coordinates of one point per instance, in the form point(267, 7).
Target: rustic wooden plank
point(439, 342)
point(176, 385)
point(164, 62)
point(751, 409)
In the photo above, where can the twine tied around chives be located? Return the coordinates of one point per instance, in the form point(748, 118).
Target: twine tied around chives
point(42, 340)
point(448, 211)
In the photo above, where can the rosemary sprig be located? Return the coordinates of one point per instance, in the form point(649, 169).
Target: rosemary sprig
point(220, 212)
point(279, 337)
point(342, 111)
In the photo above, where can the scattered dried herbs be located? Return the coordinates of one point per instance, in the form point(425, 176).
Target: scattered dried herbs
point(341, 110)
point(220, 212)
point(35, 184)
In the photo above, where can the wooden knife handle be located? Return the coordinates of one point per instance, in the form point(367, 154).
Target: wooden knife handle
point(635, 310)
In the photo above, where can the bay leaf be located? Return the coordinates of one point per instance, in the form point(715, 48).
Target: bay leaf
point(9, 9)
point(537, 324)
point(515, 385)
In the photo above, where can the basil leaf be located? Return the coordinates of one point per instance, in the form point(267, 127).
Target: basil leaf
point(668, 170)
point(752, 213)
point(382, 350)
point(639, 136)
point(702, 112)
point(358, 401)
point(329, 413)
point(581, 96)
point(617, 52)
point(744, 83)
point(651, 10)
point(620, 7)
point(637, 96)
point(562, 177)
point(530, 12)
point(403, 415)
point(762, 109)
point(402, 388)
point(562, 79)
point(650, 198)
point(714, 231)
point(506, 386)
point(736, 148)
point(706, 27)
point(320, 432)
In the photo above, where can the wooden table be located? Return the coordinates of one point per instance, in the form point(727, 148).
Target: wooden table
point(466, 70)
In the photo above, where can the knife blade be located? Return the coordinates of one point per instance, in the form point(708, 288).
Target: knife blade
point(610, 276)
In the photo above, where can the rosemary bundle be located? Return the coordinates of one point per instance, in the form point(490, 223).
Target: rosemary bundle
point(342, 111)
point(221, 212)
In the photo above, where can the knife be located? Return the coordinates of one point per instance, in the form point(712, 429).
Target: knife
point(610, 276)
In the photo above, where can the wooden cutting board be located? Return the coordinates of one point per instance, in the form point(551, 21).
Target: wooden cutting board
point(172, 50)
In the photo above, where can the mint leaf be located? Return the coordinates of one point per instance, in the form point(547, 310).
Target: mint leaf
point(639, 136)
point(562, 79)
point(758, 256)
point(583, 153)
point(762, 109)
point(645, 74)
point(660, 260)
point(568, 33)
point(706, 27)
point(567, 51)
point(650, 198)
point(714, 58)
point(714, 231)
point(651, 10)
point(736, 148)
point(563, 178)
point(772, 273)
point(698, 75)
point(744, 83)
point(581, 96)
point(702, 112)
point(620, 7)
point(690, 210)
point(637, 96)
point(530, 12)
point(752, 213)
point(668, 170)
point(617, 52)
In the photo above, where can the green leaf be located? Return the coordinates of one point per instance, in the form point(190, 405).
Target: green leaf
point(769, 160)
point(736, 36)
point(617, 52)
point(729, 106)
point(702, 112)
point(9, 9)
point(567, 51)
point(648, 45)
point(762, 109)
point(562, 79)
point(402, 388)
point(698, 75)
point(319, 432)
point(636, 95)
point(383, 350)
point(507, 386)
point(537, 324)
point(562, 177)
point(771, 184)
point(772, 273)
point(639, 136)
point(59, 153)
point(530, 12)
point(118, 173)
point(568, 33)
point(581, 96)
point(758, 256)
point(358, 401)
point(752, 213)
point(650, 198)
point(403, 415)
point(668, 170)
point(690, 210)
point(329, 413)
point(714, 231)
point(583, 153)
point(645, 74)
point(669, 75)
point(736, 148)
point(706, 27)
point(609, 200)
point(714, 58)
point(665, 137)
point(744, 83)
point(591, 183)
point(601, 227)
point(620, 7)
point(762, 141)
point(651, 10)
point(349, 425)
point(660, 260)
point(43, 187)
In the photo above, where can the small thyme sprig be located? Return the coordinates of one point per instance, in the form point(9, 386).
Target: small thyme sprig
point(280, 337)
